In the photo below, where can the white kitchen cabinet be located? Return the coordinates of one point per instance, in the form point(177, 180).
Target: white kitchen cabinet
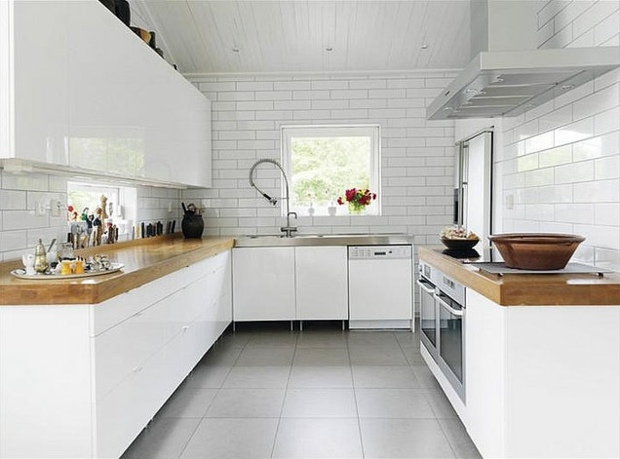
point(321, 283)
point(34, 92)
point(83, 380)
point(108, 104)
point(542, 381)
point(263, 284)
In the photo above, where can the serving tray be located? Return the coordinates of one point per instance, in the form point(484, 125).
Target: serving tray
point(21, 274)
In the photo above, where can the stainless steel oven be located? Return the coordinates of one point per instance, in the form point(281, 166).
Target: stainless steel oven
point(442, 323)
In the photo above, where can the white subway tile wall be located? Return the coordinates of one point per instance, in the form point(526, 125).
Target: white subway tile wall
point(561, 161)
point(21, 228)
point(417, 156)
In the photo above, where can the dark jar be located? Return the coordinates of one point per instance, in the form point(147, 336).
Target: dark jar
point(192, 226)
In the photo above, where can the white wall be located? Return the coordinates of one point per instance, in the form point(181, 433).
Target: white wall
point(417, 155)
point(561, 161)
point(20, 229)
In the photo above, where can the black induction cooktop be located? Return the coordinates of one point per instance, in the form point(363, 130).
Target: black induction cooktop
point(472, 255)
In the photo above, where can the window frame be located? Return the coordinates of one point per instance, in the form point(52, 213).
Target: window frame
point(287, 132)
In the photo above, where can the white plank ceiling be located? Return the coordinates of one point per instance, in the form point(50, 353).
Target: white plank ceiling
point(239, 36)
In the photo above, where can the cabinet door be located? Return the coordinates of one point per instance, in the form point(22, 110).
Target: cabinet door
point(263, 283)
point(321, 281)
point(38, 64)
point(131, 114)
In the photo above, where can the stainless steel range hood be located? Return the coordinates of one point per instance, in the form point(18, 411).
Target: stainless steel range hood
point(508, 83)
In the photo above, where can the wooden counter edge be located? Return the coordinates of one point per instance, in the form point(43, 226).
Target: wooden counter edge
point(47, 293)
point(547, 292)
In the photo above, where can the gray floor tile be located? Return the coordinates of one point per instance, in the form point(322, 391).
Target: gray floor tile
point(316, 389)
point(459, 440)
point(413, 356)
point(321, 357)
point(282, 338)
point(233, 339)
point(187, 402)
point(425, 377)
point(408, 339)
point(307, 377)
point(266, 356)
point(246, 403)
point(377, 355)
point(232, 438)
point(205, 376)
point(322, 339)
point(440, 404)
point(371, 338)
point(165, 438)
point(318, 438)
point(221, 356)
point(404, 438)
point(319, 403)
point(384, 377)
point(393, 403)
point(257, 377)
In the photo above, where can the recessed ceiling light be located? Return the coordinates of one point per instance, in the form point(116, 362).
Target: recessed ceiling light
point(424, 46)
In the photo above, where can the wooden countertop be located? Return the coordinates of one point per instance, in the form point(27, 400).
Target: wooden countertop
point(145, 260)
point(529, 289)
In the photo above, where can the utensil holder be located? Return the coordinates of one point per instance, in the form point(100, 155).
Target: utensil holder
point(192, 226)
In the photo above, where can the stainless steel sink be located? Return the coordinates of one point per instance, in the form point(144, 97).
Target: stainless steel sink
point(277, 240)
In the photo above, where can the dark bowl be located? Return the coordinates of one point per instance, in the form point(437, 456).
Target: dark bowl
point(545, 251)
point(459, 244)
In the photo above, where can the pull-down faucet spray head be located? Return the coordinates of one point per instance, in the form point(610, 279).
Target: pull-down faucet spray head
point(288, 229)
point(272, 201)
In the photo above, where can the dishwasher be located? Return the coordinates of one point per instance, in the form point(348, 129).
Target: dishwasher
point(380, 287)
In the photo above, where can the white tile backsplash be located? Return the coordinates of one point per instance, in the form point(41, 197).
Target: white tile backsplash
point(575, 185)
point(417, 155)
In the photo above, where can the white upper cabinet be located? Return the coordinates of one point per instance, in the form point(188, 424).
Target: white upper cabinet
point(89, 94)
point(34, 111)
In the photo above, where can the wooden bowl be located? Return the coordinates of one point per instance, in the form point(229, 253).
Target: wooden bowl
point(545, 251)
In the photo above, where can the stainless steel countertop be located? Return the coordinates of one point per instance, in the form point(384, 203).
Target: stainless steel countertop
point(309, 240)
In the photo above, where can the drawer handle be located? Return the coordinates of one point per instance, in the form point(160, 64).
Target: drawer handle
point(138, 369)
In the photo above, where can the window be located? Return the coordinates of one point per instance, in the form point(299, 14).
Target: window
point(324, 161)
point(85, 198)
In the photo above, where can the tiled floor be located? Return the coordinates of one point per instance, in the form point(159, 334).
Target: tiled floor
point(321, 393)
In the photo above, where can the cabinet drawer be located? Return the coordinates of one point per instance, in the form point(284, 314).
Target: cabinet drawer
point(121, 350)
point(122, 307)
point(123, 413)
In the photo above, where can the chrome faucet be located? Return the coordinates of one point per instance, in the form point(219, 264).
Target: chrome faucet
point(288, 230)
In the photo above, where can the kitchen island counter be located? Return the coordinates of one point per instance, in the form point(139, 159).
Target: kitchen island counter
point(144, 260)
point(529, 289)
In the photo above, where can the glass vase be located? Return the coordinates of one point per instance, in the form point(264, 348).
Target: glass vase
point(355, 209)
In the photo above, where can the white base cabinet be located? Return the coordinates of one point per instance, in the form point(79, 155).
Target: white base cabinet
point(542, 381)
point(290, 283)
point(264, 284)
point(321, 283)
point(90, 377)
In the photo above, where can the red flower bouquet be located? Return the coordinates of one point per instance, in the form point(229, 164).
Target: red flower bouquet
point(357, 199)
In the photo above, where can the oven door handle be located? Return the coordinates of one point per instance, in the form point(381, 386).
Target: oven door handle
point(455, 312)
point(424, 285)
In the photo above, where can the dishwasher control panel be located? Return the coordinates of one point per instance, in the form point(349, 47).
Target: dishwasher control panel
point(377, 252)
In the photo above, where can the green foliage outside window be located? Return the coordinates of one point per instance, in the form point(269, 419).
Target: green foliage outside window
point(323, 167)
